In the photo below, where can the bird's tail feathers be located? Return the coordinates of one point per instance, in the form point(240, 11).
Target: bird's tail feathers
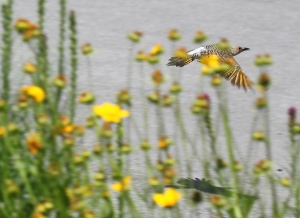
point(179, 62)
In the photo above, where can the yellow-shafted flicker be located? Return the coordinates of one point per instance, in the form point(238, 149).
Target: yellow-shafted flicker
point(233, 73)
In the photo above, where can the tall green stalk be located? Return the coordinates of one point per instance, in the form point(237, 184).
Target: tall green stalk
point(229, 143)
point(74, 64)
point(269, 156)
point(6, 49)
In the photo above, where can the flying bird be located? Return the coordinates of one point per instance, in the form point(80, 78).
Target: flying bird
point(204, 185)
point(234, 74)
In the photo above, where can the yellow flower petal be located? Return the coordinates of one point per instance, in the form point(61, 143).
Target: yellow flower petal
point(172, 196)
point(34, 92)
point(159, 200)
point(110, 112)
point(168, 199)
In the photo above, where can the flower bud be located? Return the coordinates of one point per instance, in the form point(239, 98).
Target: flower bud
point(153, 59)
point(141, 56)
point(86, 98)
point(262, 166)
point(69, 141)
point(216, 80)
point(156, 50)
point(111, 148)
point(296, 128)
point(237, 166)
point(169, 172)
point(170, 161)
point(221, 164)
point(175, 88)
point(164, 142)
point(43, 119)
point(154, 182)
point(13, 128)
point(126, 149)
point(157, 77)
point(124, 97)
point(167, 100)
point(223, 44)
point(60, 81)
point(197, 197)
point(87, 49)
point(285, 182)
point(292, 112)
point(145, 145)
point(159, 165)
point(3, 132)
point(90, 122)
point(180, 52)
point(217, 201)
point(258, 136)
point(263, 60)
point(100, 176)
point(153, 97)
point(97, 148)
point(264, 80)
point(261, 103)
point(29, 68)
point(2, 104)
point(200, 36)
point(174, 35)
point(135, 36)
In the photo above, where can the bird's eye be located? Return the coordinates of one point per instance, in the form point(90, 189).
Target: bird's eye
point(240, 48)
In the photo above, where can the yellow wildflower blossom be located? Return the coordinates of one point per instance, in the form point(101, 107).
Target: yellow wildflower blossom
point(38, 215)
point(156, 49)
point(34, 142)
point(210, 61)
point(34, 92)
point(29, 67)
point(122, 185)
point(2, 131)
point(110, 112)
point(167, 199)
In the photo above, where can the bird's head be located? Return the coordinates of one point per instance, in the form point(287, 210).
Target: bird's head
point(238, 50)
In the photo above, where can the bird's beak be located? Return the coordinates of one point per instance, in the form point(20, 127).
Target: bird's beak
point(244, 49)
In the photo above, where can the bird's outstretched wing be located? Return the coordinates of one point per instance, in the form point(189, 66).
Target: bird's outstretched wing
point(205, 186)
point(190, 56)
point(236, 75)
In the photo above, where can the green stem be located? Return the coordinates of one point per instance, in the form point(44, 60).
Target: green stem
point(73, 51)
point(229, 142)
point(269, 156)
point(6, 51)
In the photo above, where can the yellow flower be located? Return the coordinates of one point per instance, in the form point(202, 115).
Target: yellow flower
point(87, 49)
point(210, 61)
point(156, 49)
point(39, 215)
point(29, 67)
point(68, 129)
point(122, 185)
point(167, 199)
point(34, 92)
point(34, 142)
point(174, 35)
point(2, 131)
point(110, 112)
point(285, 182)
point(181, 52)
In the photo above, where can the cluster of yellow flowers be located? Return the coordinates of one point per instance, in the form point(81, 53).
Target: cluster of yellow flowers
point(27, 29)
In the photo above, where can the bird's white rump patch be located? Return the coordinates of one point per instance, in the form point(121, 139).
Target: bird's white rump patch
point(196, 51)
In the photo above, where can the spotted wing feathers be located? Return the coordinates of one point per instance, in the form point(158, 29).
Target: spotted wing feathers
point(180, 62)
point(237, 77)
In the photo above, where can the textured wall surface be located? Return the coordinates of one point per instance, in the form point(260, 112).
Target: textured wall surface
point(270, 26)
